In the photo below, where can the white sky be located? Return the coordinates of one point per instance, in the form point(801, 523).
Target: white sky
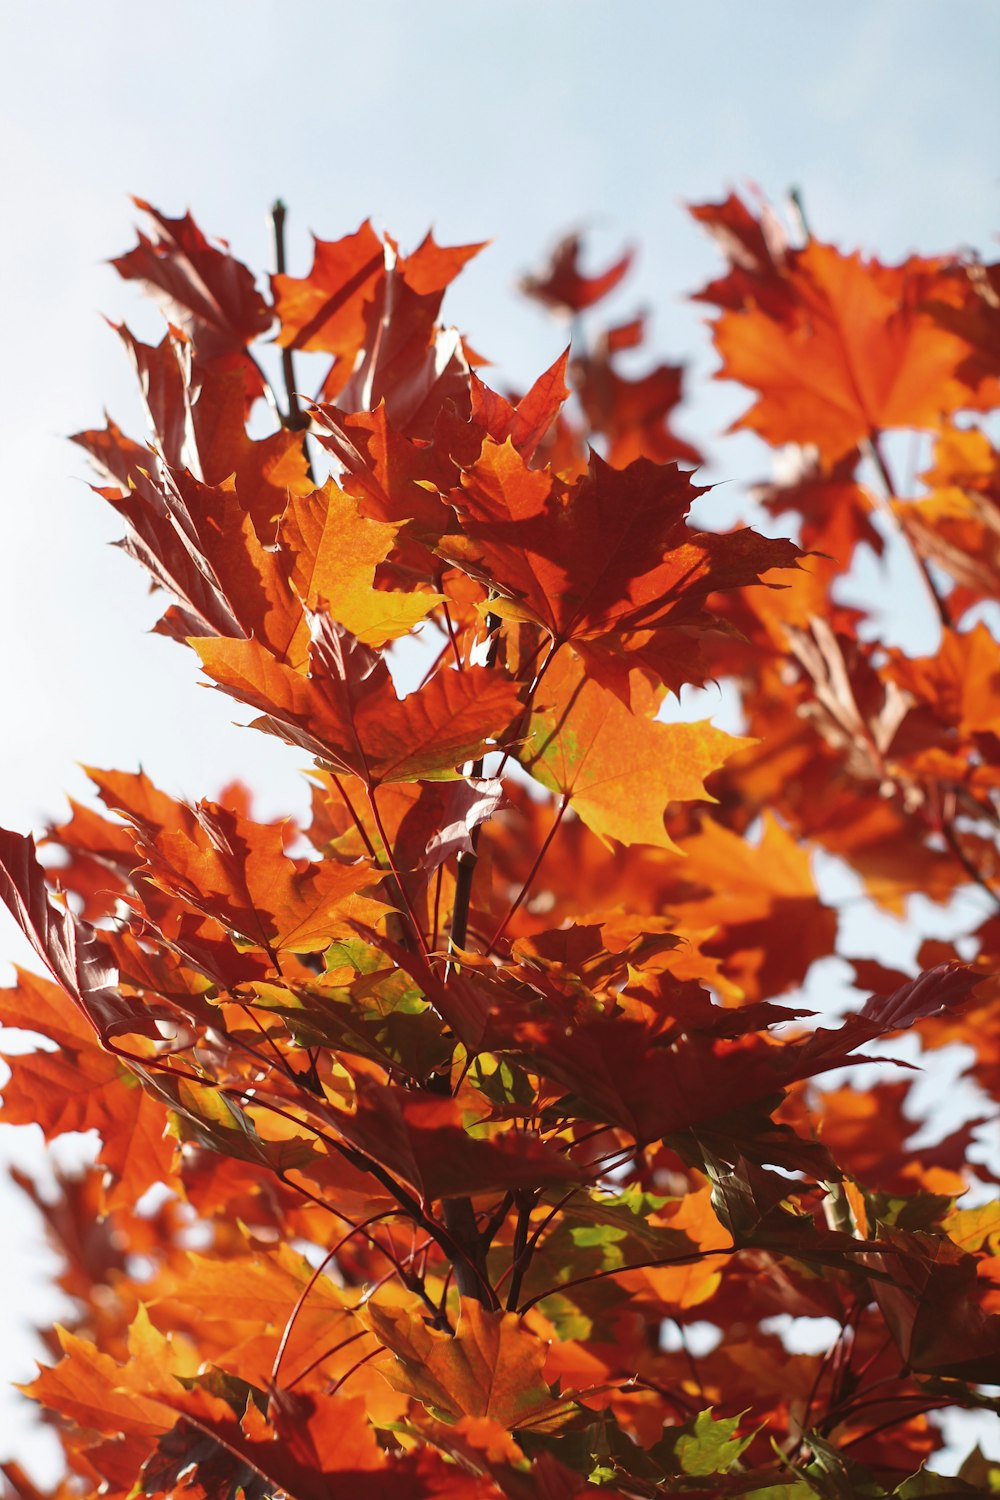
point(507, 121)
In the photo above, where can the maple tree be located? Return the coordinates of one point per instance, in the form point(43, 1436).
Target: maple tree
point(473, 1102)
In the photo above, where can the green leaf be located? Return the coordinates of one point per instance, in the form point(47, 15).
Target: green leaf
point(712, 1448)
point(833, 1475)
point(352, 953)
point(501, 1080)
point(926, 1483)
point(380, 1015)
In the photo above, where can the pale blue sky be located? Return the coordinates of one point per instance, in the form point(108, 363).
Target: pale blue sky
point(507, 121)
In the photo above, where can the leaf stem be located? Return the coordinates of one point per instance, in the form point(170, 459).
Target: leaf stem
point(532, 873)
point(873, 448)
point(342, 793)
point(471, 1275)
point(296, 420)
point(404, 895)
point(904, 1416)
point(314, 1278)
point(449, 627)
point(529, 701)
point(335, 1387)
point(539, 1230)
point(950, 835)
point(637, 1265)
point(520, 1253)
point(468, 859)
point(489, 1229)
point(437, 908)
point(327, 1353)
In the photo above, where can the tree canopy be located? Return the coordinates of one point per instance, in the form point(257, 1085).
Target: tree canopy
point(471, 1137)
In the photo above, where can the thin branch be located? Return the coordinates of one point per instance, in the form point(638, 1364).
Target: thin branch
point(449, 627)
point(314, 1278)
point(436, 925)
point(905, 1416)
point(529, 701)
point(873, 1359)
point(328, 1354)
point(418, 931)
point(296, 420)
point(874, 451)
point(470, 1268)
point(689, 1358)
point(581, 1140)
point(539, 1230)
point(860, 1398)
point(467, 859)
point(414, 1282)
point(496, 1218)
point(532, 873)
point(950, 836)
point(335, 1387)
point(344, 797)
point(520, 1254)
point(638, 1265)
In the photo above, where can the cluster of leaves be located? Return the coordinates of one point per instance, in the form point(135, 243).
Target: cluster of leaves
point(473, 1096)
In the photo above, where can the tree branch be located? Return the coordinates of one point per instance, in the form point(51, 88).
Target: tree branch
point(873, 449)
point(296, 419)
point(532, 873)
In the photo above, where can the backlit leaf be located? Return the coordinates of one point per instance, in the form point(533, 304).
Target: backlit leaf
point(619, 771)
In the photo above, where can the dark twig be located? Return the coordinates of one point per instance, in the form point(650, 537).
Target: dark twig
point(520, 1252)
point(335, 1387)
point(638, 1265)
point(404, 896)
point(471, 1276)
point(363, 832)
point(296, 420)
point(449, 627)
point(975, 874)
point(874, 451)
point(314, 1278)
point(903, 1416)
point(532, 873)
point(467, 859)
point(352, 1338)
